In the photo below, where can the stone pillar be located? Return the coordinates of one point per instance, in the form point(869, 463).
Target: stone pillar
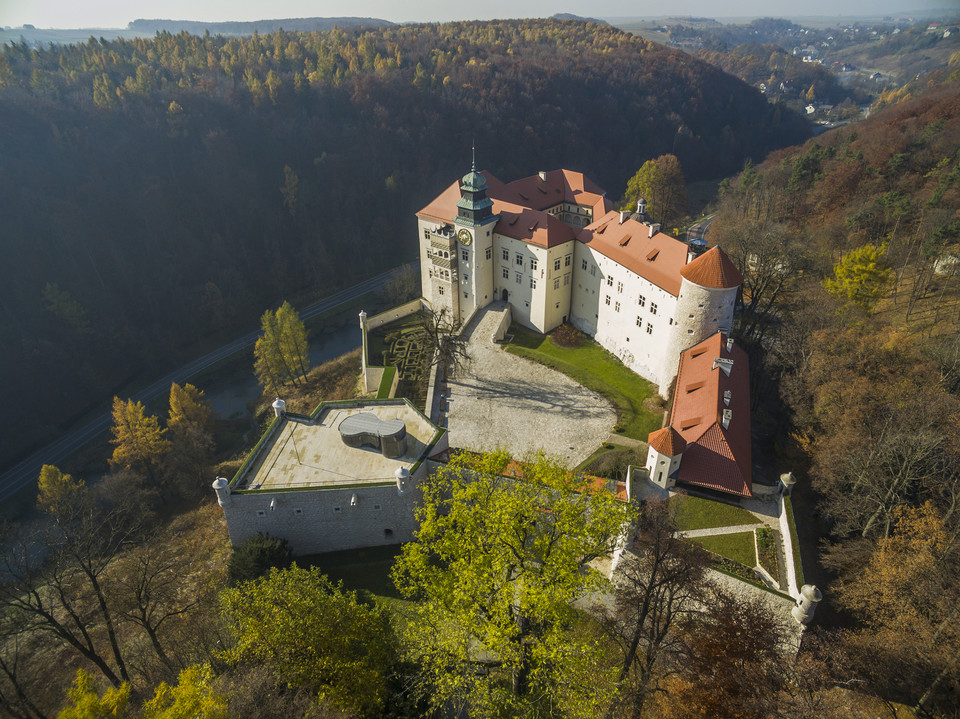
point(810, 596)
point(363, 349)
point(222, 487)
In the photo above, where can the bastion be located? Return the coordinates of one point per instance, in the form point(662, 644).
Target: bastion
point(344, 477)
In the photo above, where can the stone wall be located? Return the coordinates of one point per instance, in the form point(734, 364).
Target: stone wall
point(327, 520)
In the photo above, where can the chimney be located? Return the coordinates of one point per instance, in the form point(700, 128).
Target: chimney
point(624, 216)
point(727, 416)
point(543, 176)
point(691, 255)
point(729, 344)
point(654, 229)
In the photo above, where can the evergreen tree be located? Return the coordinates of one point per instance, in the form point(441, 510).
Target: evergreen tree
point(138, 439)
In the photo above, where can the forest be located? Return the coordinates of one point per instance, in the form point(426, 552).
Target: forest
point(147, 181)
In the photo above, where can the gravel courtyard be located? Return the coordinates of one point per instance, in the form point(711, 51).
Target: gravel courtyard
point(510, 402)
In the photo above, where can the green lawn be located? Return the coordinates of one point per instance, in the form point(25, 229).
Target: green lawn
point(738, 547)
point(699, 513)
point(594, 368)
point(367, 569)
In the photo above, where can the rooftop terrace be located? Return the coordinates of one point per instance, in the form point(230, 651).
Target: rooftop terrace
point(301, 454)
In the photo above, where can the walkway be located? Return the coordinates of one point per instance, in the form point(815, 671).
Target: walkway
point(510, 402)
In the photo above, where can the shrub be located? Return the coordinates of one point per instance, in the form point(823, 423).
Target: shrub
point(566, 335)
point(256, 555)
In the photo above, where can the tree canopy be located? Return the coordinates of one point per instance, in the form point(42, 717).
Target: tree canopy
point(500, 556)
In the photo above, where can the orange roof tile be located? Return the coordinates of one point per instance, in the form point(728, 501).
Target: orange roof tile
point(716, 457)
point(658, 259)
point(667, 441)
point(713, 269)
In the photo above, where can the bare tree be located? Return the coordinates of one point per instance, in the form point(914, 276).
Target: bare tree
point(660, 582)
point(445, 342)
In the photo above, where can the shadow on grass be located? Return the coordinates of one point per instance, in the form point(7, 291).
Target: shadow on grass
point(358, 569)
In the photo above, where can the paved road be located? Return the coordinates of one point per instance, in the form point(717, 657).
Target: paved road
point(697, 230)
point(22, 474)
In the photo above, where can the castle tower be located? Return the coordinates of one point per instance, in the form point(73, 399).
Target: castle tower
point(473, 245)
point(810, 597)
point(708, 292)
point(663, 457)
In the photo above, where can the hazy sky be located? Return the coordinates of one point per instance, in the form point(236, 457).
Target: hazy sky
point(117, 13)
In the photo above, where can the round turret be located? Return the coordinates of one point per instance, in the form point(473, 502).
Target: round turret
point(278, 407)
point(708, 292)
point(787, 480)
point(403, 479)
point(810, 597)
point(222, 487)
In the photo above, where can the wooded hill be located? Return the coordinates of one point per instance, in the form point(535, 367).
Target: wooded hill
point(851, 309)
point(158, 194)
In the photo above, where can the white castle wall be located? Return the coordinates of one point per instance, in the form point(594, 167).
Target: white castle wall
point(324, 520)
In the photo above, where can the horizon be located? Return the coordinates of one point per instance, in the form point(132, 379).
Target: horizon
point(116, 14)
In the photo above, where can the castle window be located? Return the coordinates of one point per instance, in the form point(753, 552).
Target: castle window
point(607, 300)
point(556, 284)
point(519, 278)
point(298, 510)
point(466, 277)
point(506, 273)
point(506, 255)
point(489, 253)
point(567, 260)
point(533, 265)
point(566, 279)
point(464, 256)
point(653, 308)
point(261, 513)
point(583, 264)
point(519, 260)
point(649, 328)
point(616, 307)
point(376, 508)
point(609, 281)
point(336, 510)
point(641, 300)
point(639, 321)
point(593, 270)
point(426, 234)
point(619, 287)
point(440, 290)
point(533, 284)
point(556, 265)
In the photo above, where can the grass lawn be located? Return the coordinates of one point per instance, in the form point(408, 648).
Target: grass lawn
point(738, 547)
point(699, 513)
point(594, 368)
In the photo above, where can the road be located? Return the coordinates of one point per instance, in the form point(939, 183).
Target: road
point(27, 471)
point(697, 230)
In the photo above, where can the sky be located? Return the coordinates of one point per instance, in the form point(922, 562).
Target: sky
point(117, 13)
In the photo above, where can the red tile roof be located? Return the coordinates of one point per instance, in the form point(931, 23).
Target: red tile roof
point(716, 457)
point(667, 441)
point(658, 259)
point(521, 205)
point(713, 269)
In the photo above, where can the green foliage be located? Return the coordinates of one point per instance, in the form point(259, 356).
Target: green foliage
point(863, 276)
point(188, 408)
point(317, 635)
point(256, 556)
point(85, 702)
point(660, 182)
point(767, 551)
point(193, 697)
point(499, 558)
point(281, 353)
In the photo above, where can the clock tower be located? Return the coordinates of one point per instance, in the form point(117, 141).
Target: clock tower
point(474, 225)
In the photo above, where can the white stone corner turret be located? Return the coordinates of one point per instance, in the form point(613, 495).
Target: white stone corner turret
point(403, 479)
point(222, 487)
point(279, 407)
point(810, 597)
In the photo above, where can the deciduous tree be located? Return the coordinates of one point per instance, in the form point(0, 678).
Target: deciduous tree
point(863, 276)
point(500, 556)
point(138, 439)
point(660, 182)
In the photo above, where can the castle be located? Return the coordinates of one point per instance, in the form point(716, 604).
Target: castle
point(553, 247)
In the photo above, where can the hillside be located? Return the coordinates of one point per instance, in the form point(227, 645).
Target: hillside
point(158, 194)
point(851, 307)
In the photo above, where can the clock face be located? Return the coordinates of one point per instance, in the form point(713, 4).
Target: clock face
point(464, 237)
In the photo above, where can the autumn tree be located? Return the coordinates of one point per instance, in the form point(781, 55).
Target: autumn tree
point(192, 696)
point(863, 276)
point(660, 583)
point(660, 182)
point(191, 441)
point(86, 702)
point(444, 341)
point(281, 352)
point(500, 556)
point(139, 441)
point(315, 633)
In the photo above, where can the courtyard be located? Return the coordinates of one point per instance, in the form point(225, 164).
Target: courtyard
point(504, 401)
